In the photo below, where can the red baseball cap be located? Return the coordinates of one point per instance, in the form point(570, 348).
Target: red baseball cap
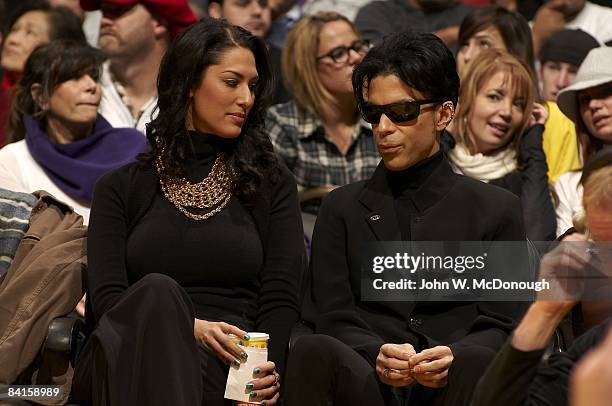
point(176, 13)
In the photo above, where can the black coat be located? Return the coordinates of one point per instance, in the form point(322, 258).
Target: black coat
point(450, 207)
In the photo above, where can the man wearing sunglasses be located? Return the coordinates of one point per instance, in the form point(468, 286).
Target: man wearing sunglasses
point(134, 34)
point(407, 89)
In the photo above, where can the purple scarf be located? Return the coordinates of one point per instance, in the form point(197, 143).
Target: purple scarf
point(76, 167)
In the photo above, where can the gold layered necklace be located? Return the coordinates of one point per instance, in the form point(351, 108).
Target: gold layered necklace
point(213, 192)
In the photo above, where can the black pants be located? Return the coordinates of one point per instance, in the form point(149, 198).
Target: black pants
point(322, 370)
point(143, 352)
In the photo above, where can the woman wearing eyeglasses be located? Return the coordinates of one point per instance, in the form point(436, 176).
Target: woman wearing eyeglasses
point(498, 133)
point(377, 352)
point(319, 134)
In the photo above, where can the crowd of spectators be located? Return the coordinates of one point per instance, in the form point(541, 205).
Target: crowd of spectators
point(177, 131)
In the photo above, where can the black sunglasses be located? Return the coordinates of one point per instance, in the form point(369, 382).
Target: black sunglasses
point(397, 112)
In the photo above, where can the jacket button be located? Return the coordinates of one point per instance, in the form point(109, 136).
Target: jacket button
point(415, 322)
point(375, 217)
point(418, 219)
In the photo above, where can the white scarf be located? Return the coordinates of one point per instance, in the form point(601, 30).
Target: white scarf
point(483, 167)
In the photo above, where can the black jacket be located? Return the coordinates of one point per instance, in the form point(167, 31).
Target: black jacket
point(450, 207)
point(519, 378)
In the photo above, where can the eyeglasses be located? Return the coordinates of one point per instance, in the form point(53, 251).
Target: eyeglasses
point(341, 54)
point(397, 112)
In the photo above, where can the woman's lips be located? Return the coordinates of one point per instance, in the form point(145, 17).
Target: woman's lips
point(601, 122)
point(237, 119)
point(498, 130)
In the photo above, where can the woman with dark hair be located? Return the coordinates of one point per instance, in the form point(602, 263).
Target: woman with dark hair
point(588, 103)
point(200, 240)
point(432, 352)
point(62, 145)
point(494, 27)
point(33, 24)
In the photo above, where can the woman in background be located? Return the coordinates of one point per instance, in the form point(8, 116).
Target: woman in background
point(64, 146)
point(498, 141)
point(588, 103)
point(33, 23)
point(319, 134)
point(497, 28)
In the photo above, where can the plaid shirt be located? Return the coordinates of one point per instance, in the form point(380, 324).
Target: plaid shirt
point(312, 156)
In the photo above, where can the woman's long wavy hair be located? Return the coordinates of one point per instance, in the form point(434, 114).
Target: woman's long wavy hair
point(181, 71)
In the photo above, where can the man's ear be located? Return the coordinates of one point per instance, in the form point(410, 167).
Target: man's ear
point(214, 10)
point(444, 115)
point(160, 28)
point(41, 100)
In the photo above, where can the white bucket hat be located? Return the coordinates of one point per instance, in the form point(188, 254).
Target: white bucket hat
point(594, 71)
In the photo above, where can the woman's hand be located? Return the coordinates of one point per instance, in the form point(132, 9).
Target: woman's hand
point(215, 336)
point(266, 385)
point(393, 365)
point(430, 366)
point(539, 114)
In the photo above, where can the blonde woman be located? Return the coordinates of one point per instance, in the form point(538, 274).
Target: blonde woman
point(319, 134)
point(498, 133)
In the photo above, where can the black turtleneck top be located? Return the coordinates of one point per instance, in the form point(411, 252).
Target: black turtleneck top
point(405, 184)
point(202, 255)
point(241, 266)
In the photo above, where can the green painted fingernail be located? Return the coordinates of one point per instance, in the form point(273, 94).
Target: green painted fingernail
point(249, 386)
point(253, 394)
point(236, 362)
point(244, 355)
point(247, 337)
point(256, 371)
point(263, 403)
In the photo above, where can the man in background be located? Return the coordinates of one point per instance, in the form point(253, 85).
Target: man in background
point(135, 34)
point(256, 17)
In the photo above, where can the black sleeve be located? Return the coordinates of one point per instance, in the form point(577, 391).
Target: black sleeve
point(106, 243)
point(520, 378)
point(508, 378)
point(284, 261)
point(538, 209)
point(333, 301)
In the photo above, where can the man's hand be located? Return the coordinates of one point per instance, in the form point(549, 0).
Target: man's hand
point(562, 268)
point(393, 365)
point(430, 366)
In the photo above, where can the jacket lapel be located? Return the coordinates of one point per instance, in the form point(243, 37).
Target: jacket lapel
point(379, 211)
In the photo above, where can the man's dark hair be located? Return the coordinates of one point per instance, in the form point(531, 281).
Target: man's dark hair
point(182, 69)
point(63, 23)
point(421, 61)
